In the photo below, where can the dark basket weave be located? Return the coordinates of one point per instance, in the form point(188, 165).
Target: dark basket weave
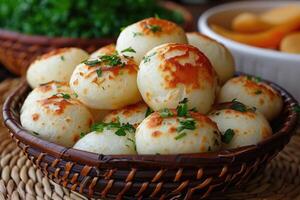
point(17, 50)
point(148, 176)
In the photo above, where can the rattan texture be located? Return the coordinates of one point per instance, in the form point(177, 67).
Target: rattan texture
point(21, 180)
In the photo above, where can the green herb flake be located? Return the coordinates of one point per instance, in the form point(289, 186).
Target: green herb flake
point(238, 106)
point(147, 58)
point(35, 133)
point(112, 60)
point(99, 72)
point(82, 135)
point(157, 16)
point(154, 28)
point(75, 95)
point(122, 129)
point(228, 135)
point(62, 58)
point(186, 124)
point(149, 111)
point(182, 108)
point(64, 95)
point(254, 79)
point(165, 113)
point(129, 49)
point(297, 109)
point(181, 135)
point(258, 92)
point(92, 62)
point(135, 34)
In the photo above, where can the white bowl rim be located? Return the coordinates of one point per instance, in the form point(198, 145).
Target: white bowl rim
point(204, 27)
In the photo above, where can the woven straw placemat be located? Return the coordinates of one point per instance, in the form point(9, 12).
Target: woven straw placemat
point(19, 179)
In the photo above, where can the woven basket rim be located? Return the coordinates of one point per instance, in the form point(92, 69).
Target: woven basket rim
point(44, 40)
point(287, 129)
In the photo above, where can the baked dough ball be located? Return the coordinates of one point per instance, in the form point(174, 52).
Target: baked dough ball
point(57, 119)
point(106, 83)
point(108, 49)
point(132, 114)
point(252, 92)
point(47, 90)
point(107, 143)
point(57, 65)
point(177, 135)
point(171, 72)
point(291, 43)
point(219, 56)
point(147, 34)
point(240, 125)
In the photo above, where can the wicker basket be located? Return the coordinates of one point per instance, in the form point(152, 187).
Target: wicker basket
point(17, 51)
point(148, 176)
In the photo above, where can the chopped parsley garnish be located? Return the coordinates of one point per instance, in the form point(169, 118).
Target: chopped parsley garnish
point(35, 133)
point(147, 58)
point(137, 34)
point(165, 113)
point(186, 124)
point(82, 134)
point(182, 108)
point(92, 62)
point(228, 135)
point(62, 58)
point(181, 135)
point(129, 49)
point(238, 106)
point(111, 60)
point(75, 95)
point(154, 28)
point(99, 72)
point(297, 109)
point(254, 78)
point(63, 95)
point(148, 112)
point(156, 16)
point(122, 129)
point(258, 92)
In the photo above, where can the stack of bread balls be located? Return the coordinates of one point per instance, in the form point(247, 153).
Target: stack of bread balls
point(158, 90)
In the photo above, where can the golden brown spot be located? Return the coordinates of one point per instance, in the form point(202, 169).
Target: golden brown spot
point(202, 147)
point(53, 52)
point(75, 82)
point(172, 129)
point(108, 49)
point(261, 101)
point(166, 27)
point(148, 96)
point(155, 120)
point(189, 74)
point(63, 128)
point(156, 134)
point(59, 102)
point(68, 120)
point(35, 117)
point(265, 132)
point(85, 91)
point(76, 138)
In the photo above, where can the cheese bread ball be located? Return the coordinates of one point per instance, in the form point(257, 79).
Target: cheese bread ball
point(219, 56)
point(253, 92)
point(108, 49)
point(106, 83)
point(47, 90)
point(177, 135)
point(171, 72)
point(57, 65)
point(132, 114)
point(147, 34)
point(240, 125)
point(107, 143)
point(57, 119)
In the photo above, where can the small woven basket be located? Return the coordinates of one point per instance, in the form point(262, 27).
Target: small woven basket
point(17, 50)
point(184, 176)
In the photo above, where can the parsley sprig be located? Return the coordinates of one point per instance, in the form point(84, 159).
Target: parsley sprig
point(238, 106)
point(186, 124)
point(227, 136)
point(122, 129)
point(64, 95)
point(164, 113)
point(111, 60)
point(129, 49)
point(149, 111)
point(154, 28)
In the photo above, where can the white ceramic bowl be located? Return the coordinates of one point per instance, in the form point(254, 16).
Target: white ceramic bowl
point(282, 68)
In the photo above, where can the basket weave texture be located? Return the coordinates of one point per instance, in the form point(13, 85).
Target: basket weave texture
point(148, 176)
